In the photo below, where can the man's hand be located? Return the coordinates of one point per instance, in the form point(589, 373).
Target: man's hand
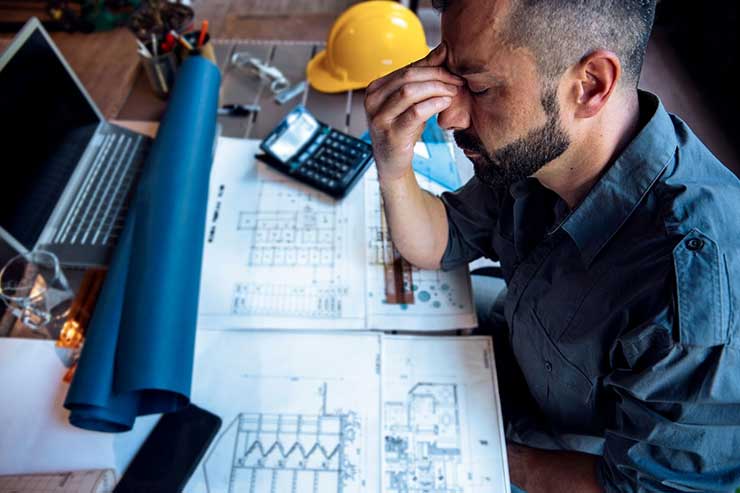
point(399, 104)
point(549, 471)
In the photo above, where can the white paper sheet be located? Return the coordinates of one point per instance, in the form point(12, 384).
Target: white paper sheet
point(340, 412)
point(281, 255)
point(298, 409)
point(36, 436)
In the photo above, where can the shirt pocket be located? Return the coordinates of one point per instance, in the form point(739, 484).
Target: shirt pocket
point(569, 402)
point(702, 288)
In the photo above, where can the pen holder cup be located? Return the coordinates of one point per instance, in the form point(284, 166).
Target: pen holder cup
point(160, 71)
point(205, 50)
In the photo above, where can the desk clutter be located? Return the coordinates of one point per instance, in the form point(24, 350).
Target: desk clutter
point(285, 312)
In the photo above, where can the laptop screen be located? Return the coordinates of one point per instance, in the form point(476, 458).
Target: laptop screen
point(45, 124)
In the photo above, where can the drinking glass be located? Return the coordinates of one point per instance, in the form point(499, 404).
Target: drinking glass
point(35, 290)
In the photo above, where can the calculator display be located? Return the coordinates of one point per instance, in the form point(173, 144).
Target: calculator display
point(299, 130)
point(316, 154)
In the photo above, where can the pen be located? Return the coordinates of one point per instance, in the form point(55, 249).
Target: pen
point(203, 32)
point(182, 41)
point(143, 49)
point(238, 109)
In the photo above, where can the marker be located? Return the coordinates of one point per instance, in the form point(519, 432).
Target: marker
point(169, 42)
point(203, 32)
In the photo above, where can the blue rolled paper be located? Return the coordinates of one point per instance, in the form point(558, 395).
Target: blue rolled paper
point(138, 353)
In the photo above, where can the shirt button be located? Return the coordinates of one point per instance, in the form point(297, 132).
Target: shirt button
point(695, 244)
point(548, 366)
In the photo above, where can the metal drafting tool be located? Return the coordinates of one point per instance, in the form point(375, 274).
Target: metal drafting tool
point(268, 73)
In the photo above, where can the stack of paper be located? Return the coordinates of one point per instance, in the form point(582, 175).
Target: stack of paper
point(281, 255)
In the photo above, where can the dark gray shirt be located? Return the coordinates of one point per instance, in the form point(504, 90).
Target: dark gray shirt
point(623, 314)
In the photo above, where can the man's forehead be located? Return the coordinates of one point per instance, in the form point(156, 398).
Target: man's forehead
point(470, 29)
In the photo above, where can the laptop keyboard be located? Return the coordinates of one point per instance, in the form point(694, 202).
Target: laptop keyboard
point(98, 212)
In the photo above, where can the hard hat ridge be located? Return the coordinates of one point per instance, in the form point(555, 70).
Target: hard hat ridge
point(368, 41)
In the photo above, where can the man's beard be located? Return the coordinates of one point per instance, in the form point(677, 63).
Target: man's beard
point(523, 157)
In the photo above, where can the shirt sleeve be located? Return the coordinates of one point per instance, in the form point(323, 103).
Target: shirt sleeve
point(676, 402)
point(472, 213)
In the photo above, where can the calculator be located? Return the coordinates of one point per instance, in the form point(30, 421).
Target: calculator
point(316, 154)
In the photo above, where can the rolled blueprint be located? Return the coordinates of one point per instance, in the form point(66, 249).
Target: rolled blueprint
point(138, 354)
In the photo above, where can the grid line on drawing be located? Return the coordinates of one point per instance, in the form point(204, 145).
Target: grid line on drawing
point(289, 238)
point(319, 301)
point(291, 453)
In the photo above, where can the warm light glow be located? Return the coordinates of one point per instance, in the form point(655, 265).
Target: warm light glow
point(71, 335)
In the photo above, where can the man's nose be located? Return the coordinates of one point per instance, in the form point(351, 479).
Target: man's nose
point(457, 115)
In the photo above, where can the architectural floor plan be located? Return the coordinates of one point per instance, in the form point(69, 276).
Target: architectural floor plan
point(280, 255)
point(349, 413)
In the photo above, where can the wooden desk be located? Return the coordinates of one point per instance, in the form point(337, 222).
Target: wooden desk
point(344, 111)
point(108, 66)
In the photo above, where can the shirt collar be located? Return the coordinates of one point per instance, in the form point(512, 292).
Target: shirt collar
point(619, 191)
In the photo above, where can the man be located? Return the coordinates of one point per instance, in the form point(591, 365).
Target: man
point(617, 232)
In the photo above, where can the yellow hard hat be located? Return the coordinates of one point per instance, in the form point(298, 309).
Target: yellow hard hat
point(369, 40)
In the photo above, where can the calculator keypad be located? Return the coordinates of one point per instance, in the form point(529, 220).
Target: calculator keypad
point(336, 161)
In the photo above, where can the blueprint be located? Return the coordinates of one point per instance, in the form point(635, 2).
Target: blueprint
point(348, 413)
point(299, 412)
point(441, 423)
point(278, 254)
point(442, 299)
point(281, 255)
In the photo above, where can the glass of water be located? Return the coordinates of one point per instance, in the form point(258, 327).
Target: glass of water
point(35, 290)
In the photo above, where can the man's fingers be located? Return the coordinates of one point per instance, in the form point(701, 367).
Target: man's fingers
point(411, 94)
point(435, 58)
point(416, 115)
point(375, 97)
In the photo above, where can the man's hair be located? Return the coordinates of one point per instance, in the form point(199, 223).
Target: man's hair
point(562, 32)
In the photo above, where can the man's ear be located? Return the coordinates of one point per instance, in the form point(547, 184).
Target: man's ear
point(596, 77)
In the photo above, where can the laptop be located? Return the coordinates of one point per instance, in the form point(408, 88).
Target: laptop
point(66, 175)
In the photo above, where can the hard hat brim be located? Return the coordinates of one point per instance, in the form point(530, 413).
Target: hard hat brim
point(321, 78)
